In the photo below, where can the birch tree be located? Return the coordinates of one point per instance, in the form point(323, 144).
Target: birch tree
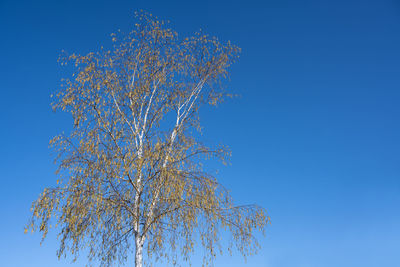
point(131, 176)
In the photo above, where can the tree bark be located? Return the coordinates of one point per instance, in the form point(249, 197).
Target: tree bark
point(139, 251)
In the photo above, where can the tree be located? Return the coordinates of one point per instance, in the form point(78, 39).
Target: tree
point(131, 170)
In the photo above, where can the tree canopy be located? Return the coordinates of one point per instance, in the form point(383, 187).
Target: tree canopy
point(131, 176)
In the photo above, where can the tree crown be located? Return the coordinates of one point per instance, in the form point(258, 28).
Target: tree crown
point(132, 166)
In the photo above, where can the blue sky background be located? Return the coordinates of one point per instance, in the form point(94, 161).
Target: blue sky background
point(314, 135)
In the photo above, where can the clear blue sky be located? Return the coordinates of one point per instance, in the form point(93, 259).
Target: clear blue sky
point(315, 135)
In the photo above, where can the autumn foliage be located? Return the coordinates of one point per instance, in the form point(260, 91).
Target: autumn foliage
point(131, 175)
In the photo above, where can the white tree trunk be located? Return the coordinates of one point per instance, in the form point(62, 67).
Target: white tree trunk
point(138, 252)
